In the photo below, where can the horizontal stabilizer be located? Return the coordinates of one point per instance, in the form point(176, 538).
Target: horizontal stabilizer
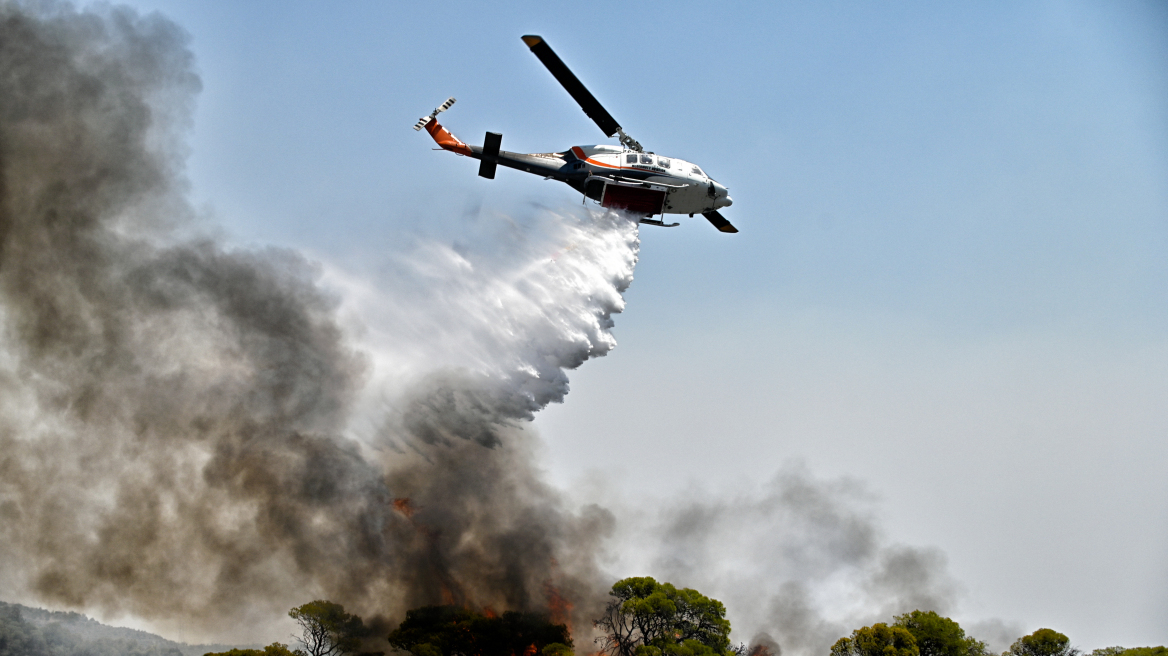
point(491, 145)
point(719, 222)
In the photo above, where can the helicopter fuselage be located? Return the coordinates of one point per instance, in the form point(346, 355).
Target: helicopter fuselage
point(639, 182)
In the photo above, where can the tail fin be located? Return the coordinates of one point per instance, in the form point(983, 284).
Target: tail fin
point(441, 135)
point(448, 141)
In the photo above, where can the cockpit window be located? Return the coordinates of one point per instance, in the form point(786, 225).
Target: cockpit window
point(631, 158)
point(698, 171)
point(663, 162)
point(646, 159)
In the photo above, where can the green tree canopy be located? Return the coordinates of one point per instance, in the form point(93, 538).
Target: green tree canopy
point(454, 631)
point(1043, 642)
point(1145, 651)
point(939, 636)
point(877, 640)
point(326, 629)
point(557, 649)
point(647, 618)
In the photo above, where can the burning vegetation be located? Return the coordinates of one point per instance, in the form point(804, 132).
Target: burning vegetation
point(453, 631)
point(642, 618)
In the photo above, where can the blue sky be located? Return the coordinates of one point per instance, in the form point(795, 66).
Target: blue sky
point(951, 281)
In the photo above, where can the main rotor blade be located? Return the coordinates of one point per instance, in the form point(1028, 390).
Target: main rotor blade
point(572, 84)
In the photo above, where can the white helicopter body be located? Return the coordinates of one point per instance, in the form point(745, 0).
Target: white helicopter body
point(621, 177)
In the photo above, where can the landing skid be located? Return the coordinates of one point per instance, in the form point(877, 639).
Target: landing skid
point(660, 223)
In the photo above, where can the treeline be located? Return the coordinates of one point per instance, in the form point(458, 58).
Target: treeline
point(35, 632)
point(19, 637)
point(326, 629)
point(925, 633)
point(643, 618)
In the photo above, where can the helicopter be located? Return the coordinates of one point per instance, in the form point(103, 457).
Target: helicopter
point(624, 177)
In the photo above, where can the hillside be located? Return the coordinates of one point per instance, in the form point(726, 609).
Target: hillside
point(26, 631)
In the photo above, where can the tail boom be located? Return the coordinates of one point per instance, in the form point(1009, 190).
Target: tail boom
point(445, 139)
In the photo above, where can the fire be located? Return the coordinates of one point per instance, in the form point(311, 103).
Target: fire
point(490, 612)
point(560, 607)
point(404, 506)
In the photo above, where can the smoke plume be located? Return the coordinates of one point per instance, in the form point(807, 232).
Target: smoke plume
point(185, 429)
point(799, 561)
point(204, 436)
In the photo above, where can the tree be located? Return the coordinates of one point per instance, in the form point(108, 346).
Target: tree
point(1143, 651)
point(647, 618)
point(1043, 642)
point(18, 637)
point(1130, 651)
point(939, 636)
point(454, 631)
point(326, 629)
point(877, 640)
point(274, 649)
point(557, 649)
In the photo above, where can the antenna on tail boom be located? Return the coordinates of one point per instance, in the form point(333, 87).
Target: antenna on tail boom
point(441, 108)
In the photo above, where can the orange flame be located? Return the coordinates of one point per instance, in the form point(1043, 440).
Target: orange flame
point(404, 506)
point(560, 607)
point(447, 595)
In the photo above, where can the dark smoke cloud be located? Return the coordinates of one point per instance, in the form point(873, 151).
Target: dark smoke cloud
point(175, 430)
point(204, 437)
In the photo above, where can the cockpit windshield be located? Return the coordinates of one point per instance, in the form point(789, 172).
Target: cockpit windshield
point(698, 171)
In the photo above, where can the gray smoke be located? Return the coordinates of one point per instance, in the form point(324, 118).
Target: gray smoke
point(997, 634)
point(799, 562)
point(181, 423)
point(204, 436)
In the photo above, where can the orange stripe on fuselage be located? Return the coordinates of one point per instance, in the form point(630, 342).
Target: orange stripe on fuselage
point(448, 141)
point(579, 153)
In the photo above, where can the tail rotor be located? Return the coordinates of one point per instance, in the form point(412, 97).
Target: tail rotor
point(441, 108)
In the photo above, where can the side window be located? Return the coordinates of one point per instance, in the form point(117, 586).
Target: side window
point(663, 162)
point(631, 158)
point(698, 171)
point(647, 159)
